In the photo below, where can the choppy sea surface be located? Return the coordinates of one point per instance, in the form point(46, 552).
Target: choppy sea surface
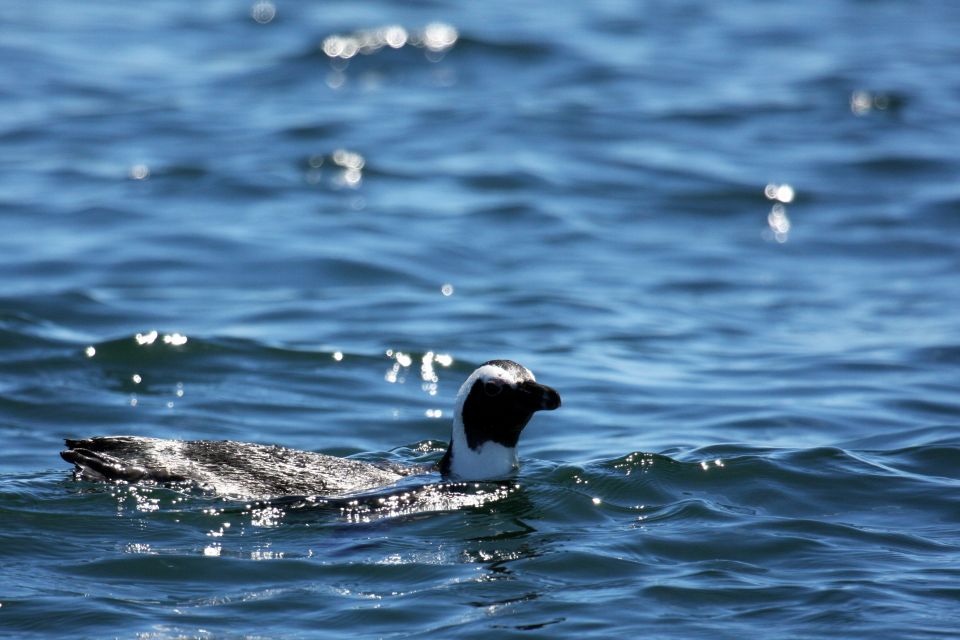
point(727, 233)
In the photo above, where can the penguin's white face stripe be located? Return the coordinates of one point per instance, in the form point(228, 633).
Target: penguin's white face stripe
point(492, 372)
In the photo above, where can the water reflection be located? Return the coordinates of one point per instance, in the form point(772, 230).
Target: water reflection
point(139, 172)
point(435, 38)
point(445, 496)
point(352, 164)
point(397, 373)
point(263, 12)
point(781, 192)
point(147, 339)
point(349, 168)
point(863, 102)
point(778, 223)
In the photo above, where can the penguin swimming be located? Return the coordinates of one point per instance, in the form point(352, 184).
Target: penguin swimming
point(493, 406)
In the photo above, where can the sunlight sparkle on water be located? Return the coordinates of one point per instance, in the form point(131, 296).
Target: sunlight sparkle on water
point(705, 464)
point(138, 547)
point(436, 497)
point(395, 36)
point(781, 192)
point(266, 517)
point(436, 37)
point(428, 373)
point(863, 102)
point(352, 164)
point(146, 338)
point(173, 339)
point(139, 172)
point(263, 12)
point(348, 159)
point(393, 374)
point(439, 36)
point(778, 223)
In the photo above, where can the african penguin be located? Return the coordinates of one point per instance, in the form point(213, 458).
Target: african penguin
point(493, 406)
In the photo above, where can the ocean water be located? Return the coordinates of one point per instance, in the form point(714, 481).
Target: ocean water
point(727, 233)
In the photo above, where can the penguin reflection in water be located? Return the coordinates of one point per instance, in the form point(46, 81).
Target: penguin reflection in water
point(493, 406)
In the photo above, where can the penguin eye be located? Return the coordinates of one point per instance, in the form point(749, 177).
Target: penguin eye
point(492, 388)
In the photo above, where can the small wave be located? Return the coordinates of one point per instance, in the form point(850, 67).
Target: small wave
point(727, 482)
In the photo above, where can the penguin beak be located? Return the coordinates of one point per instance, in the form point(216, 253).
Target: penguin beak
point(539, 397)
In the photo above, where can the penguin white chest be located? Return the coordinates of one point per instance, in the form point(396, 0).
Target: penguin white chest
point(490, 461)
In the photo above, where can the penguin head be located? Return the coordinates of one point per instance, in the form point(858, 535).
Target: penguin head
point(493, 406)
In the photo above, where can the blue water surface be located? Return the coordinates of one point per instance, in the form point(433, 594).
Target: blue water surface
point(727, 232)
